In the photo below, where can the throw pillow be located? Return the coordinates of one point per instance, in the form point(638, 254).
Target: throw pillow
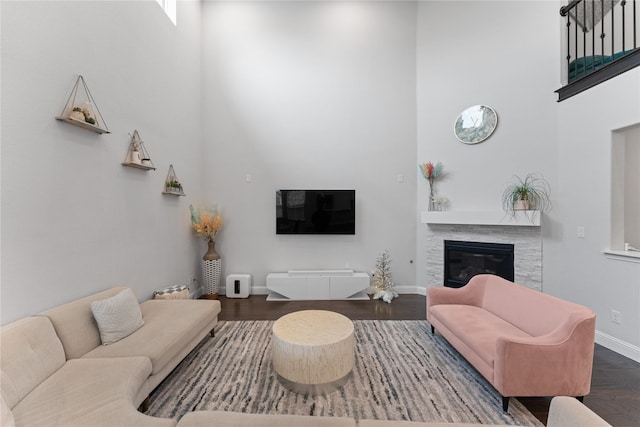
point(117, 317)
point(173, 292)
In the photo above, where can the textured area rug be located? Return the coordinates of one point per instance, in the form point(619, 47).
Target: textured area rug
point(402, 372)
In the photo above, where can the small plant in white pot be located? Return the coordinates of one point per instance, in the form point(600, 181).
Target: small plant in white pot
point(531, 193)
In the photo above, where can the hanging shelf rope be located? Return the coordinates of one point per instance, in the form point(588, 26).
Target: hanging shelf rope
point(172, 184)
point(137, 154)
point(81, 109)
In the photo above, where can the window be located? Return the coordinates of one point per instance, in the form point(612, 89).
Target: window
point(625, 190)
point(169, 7)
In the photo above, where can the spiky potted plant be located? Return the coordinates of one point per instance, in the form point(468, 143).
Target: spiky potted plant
point(531, 193)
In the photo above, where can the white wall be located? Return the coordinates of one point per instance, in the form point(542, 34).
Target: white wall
point(278, 89)
point(632, 187)
point(74, 221)
point(473, 53)
point(313, 95)
point(514, 67)
point(577, 268)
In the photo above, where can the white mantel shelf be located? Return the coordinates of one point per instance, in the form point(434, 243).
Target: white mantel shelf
point(499, 218)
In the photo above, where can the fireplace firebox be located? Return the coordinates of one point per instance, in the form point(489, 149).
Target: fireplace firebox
point(463, 260)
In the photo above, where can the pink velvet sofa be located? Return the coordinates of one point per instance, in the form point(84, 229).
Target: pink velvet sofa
point(524, 342)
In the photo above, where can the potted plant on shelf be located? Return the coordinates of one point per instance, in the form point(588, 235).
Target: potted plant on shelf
point(174, 187)
point(531, 193)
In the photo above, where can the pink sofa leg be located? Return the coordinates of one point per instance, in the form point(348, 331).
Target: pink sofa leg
point(505, 403)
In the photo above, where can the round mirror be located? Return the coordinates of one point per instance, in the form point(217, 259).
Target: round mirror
point(475, 124)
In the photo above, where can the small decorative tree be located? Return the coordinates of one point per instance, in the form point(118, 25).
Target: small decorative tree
point(382, 286)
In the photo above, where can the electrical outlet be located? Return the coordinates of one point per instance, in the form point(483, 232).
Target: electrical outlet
point(616, 317)
point(580, 233)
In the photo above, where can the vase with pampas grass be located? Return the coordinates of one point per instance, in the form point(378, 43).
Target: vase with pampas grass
point(431, 171)
point(207, 222)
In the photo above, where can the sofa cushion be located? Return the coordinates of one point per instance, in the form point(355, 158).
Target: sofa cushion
point(568, 411)
point(476, 327)
point(117, 316)
point(6, 416)
point(235, 419)
point(169, 326)
point(75, 325)
point(532, 311)
point(88, 392)
point(30, 353)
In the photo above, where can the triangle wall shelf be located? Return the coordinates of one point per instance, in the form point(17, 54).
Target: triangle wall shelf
point(81, 109)
point(172, 184)
point(137, 155)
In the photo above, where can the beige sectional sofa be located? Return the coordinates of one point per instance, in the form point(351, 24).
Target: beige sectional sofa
point(564, 412)
point(42, 388)
point(172, 328)
point(524, 342)
point(55, 372)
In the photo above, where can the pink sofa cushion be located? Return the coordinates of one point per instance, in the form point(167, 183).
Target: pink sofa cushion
point(529, 310)
point(476, 327)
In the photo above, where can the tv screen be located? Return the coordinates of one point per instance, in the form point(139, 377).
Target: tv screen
point(315, 212)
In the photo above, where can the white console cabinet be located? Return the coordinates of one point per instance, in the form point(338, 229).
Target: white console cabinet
point(318, 285)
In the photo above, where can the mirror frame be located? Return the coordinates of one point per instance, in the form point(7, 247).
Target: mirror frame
point(479, 131)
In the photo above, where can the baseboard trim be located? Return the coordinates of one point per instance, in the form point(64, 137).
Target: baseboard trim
point(259, 290)
point(411, 290)
point(619, 346)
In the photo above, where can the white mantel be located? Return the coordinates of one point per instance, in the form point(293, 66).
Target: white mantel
point(500, 218)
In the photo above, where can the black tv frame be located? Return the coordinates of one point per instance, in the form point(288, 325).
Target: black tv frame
point(317, 213)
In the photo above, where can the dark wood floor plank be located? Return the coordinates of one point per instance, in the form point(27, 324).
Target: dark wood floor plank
point(405, 307)
point(615, 384)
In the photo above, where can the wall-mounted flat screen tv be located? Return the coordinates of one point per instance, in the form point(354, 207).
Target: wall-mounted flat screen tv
point(315, 212)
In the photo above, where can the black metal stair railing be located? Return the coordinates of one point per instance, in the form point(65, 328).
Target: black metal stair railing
point(601, 42)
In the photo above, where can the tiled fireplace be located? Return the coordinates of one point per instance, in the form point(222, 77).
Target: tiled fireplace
point(526, 241)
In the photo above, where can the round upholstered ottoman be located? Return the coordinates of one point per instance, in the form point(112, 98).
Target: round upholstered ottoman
point(313, 351)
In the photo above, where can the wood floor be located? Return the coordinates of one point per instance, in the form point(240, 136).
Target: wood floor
point(615, 384)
